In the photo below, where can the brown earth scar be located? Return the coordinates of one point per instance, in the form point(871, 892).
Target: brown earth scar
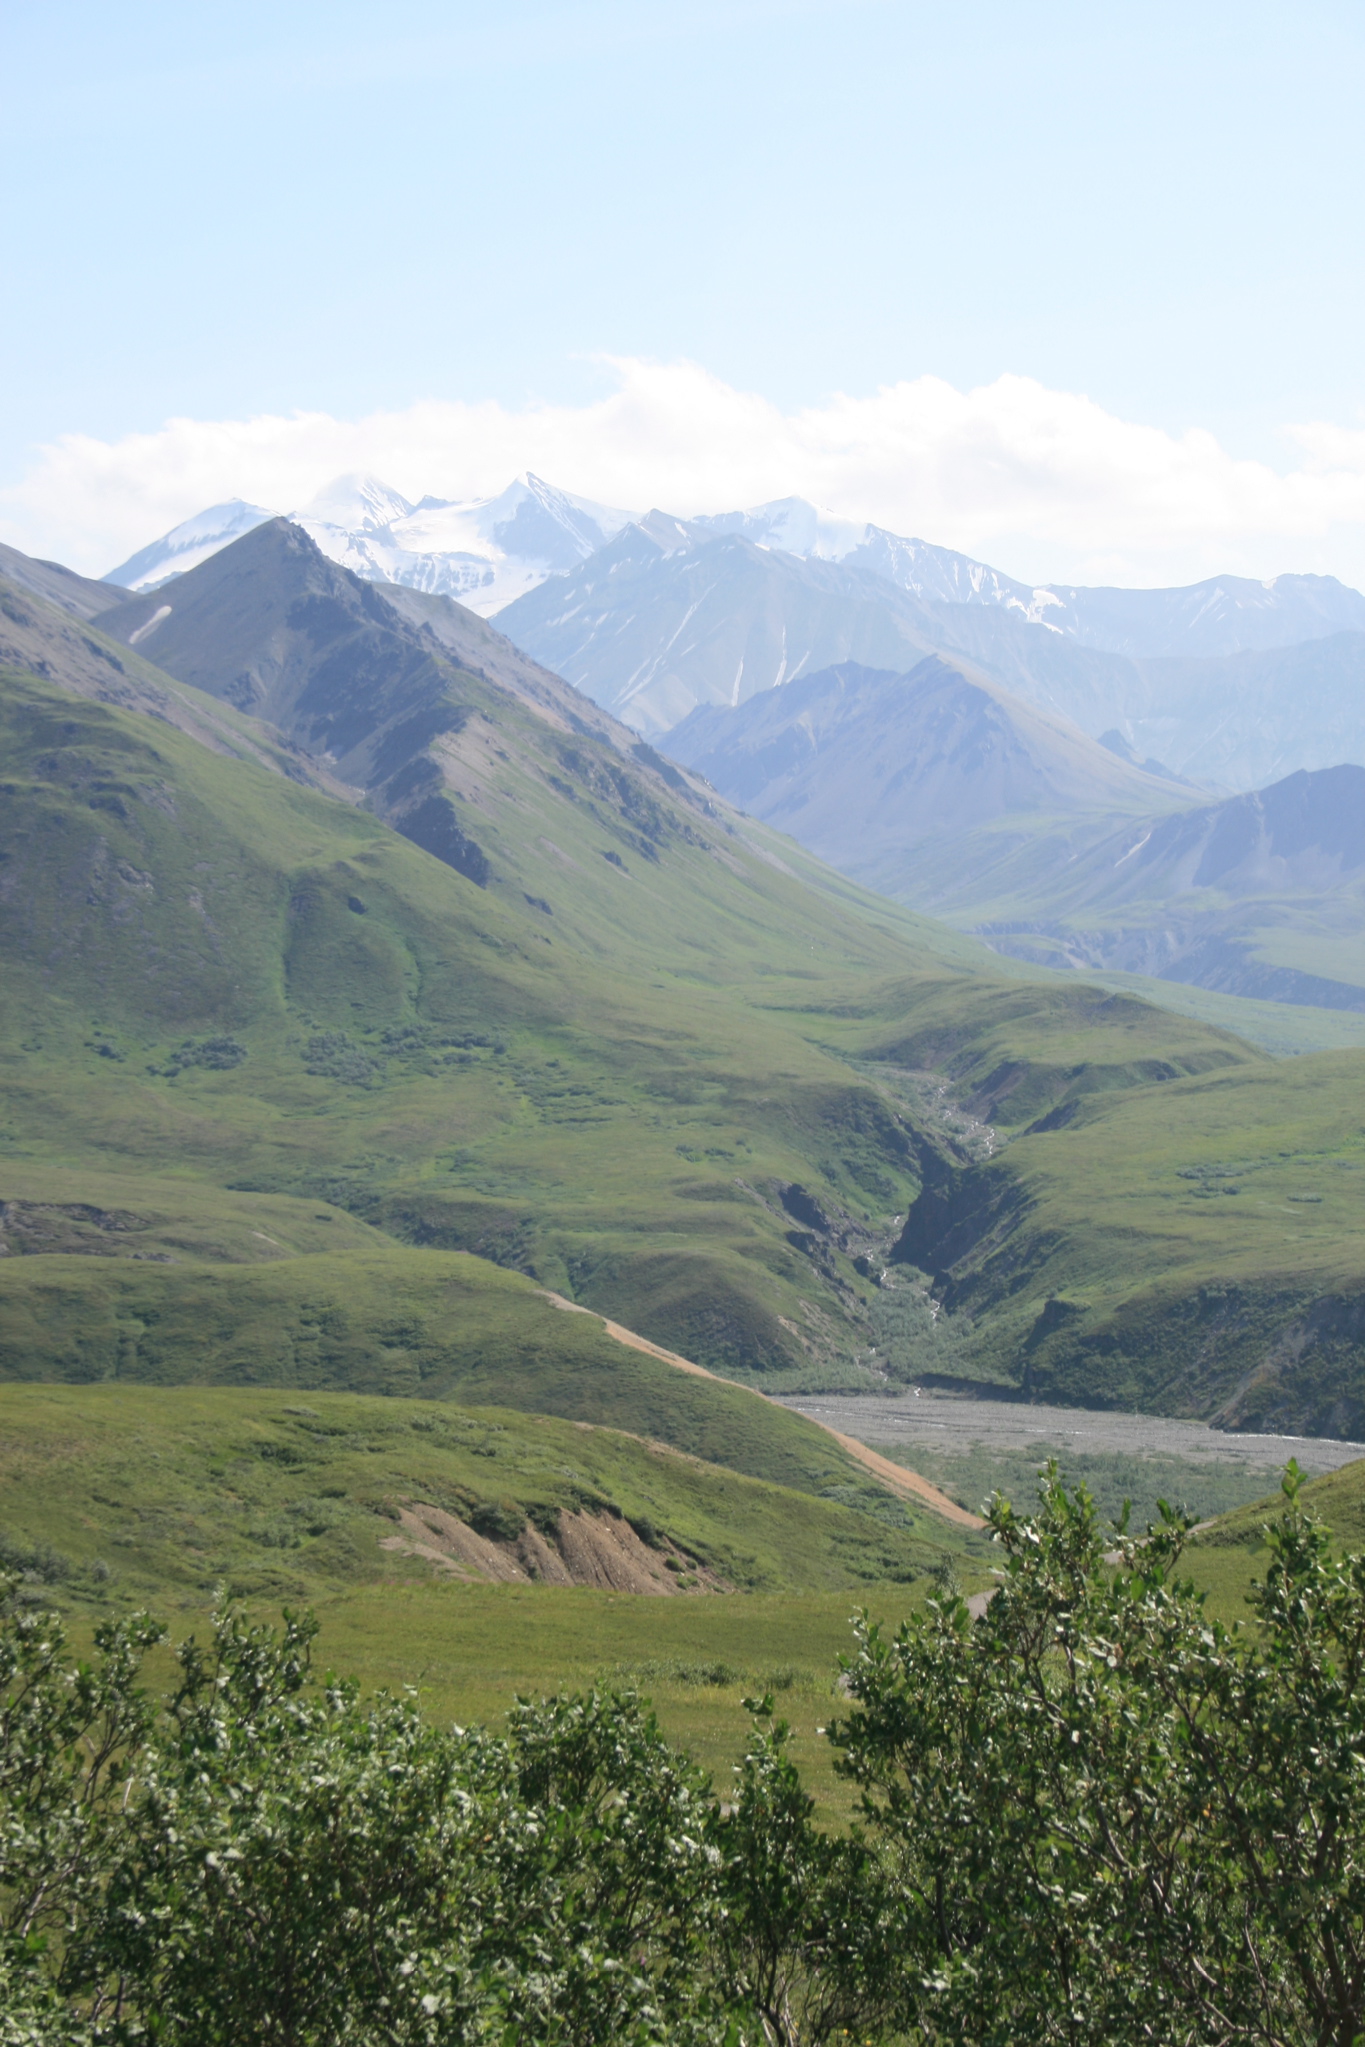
point(897, 1478)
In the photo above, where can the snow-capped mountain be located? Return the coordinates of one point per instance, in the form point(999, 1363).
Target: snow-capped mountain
point(188, 544)
point(1225, 615)
point(488, 552)
point(483, 551)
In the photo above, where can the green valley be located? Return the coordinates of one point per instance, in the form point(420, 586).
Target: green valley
point(272, 1064)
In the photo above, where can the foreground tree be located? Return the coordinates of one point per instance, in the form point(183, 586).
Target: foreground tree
point(1091, 1815)
point(1102, 1815)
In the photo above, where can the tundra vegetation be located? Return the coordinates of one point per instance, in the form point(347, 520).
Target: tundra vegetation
point(1092, 1813)
point(270, 1060)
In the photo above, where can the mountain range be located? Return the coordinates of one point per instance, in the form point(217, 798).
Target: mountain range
point(946, 791)
point(671, 615)
point(485, 551)
point(1230, 683)
point(364, 985)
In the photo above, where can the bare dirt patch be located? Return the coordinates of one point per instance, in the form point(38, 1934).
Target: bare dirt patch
point(579, 1548)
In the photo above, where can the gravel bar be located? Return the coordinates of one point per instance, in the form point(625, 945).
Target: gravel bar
point(952, 1425)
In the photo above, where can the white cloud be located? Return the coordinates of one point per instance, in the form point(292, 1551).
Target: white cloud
point(1041, 483)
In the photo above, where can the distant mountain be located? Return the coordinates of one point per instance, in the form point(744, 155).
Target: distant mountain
point(188, 544)
point(671, 615)
point(676, 613)
point(1229, 682)
point(485, 551)
point(491, 551)
point(1262, 895)
point(866, 766)
point(948, 792)
point(1247, 719)
point(1224, 615)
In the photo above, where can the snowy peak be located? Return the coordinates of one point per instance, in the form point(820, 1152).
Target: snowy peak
point(483, 551)
point(188, 544)
point(792, 525)
point(355, 504)
point(536, 522)
point(936, 575)
point(939, 576)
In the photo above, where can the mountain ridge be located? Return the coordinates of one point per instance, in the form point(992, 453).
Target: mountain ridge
point(863, 765)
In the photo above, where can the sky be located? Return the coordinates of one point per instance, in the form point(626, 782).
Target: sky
point(1076, 288)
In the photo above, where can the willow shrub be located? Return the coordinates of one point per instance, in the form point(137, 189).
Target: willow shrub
point(1093, 1814)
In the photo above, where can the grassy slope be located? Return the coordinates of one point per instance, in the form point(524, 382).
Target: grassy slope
point(1191, 1249)
point(1284, 1029)
point(545, 1094)
point(600, 1071)
point(383, 1319)
point(1225, 1557)
point(115, 1496)
point(182, 1495)
point(578, 1093)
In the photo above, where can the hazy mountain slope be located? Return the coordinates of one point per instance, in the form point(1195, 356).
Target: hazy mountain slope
point(1251, 718)
point(672, 615)
point(950, 794)
point(669, 616)
point(71, 593)
point(865, 765)
point(481, 648)
point(1223, 615)
point(1262, 895)
point(1231, 721)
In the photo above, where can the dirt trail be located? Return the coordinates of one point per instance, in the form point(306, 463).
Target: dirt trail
point(897, 1478)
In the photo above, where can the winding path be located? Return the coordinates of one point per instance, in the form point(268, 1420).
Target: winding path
point(897, 1478)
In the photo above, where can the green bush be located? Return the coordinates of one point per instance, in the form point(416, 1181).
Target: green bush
point(1090, 1815)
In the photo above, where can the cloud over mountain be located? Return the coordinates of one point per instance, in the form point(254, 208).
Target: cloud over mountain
point(1045, 482)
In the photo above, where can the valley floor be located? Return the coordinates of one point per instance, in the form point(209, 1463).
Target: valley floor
point(971, 1447)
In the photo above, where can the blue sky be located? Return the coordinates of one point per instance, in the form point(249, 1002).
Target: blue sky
point(216, 213)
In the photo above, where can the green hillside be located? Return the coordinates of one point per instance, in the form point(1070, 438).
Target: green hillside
point(1229, 1554)
point(255, 1042)
point(416, 1529)
point(225, 977)
point(381, 1319)
point(122, 1495)
point(1192, 1249)
point(1338, 1500)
